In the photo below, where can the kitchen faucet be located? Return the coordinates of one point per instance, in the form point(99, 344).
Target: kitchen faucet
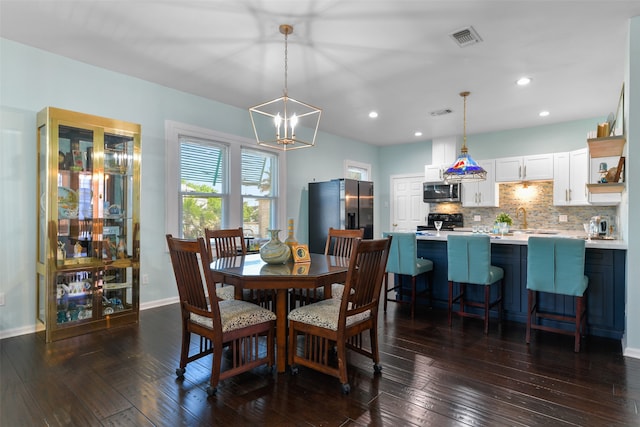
point(524, 215)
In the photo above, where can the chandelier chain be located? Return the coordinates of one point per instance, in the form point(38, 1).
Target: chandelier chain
point(286, 62)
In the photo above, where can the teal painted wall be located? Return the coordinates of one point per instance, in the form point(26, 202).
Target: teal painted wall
point(31, 79)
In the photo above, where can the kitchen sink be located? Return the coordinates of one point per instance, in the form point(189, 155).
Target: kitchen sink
point(533, 231)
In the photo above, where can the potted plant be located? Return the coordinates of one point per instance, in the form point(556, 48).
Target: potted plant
point(503, 222)
point(504, 217)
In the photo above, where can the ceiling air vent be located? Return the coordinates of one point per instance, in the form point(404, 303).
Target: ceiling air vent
point(466, 36)
point(441, 112)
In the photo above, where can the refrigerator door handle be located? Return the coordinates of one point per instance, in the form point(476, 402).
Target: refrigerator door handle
point(351, 221)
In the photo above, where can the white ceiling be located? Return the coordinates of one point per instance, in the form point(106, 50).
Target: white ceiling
point(352, 56)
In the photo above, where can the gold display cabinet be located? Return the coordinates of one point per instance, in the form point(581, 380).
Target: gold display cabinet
point(88, 249)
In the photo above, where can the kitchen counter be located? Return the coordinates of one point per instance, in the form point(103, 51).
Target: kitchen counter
point(605, 262)
point(521, 237)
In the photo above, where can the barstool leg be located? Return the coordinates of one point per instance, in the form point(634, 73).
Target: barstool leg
point(413, 296)
point(487, 302)
point(450, 300)
point(386, 290)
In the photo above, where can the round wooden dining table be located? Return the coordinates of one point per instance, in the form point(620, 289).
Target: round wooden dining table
point(250, 272)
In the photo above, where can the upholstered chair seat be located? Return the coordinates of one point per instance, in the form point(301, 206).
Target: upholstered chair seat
point(236, 314)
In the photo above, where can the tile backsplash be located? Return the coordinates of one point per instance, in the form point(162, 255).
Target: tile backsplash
point(537, 200)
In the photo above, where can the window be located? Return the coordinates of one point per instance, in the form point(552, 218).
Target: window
point(259, 191)
point(357, 170)
point(218, 180)
point(203, 185)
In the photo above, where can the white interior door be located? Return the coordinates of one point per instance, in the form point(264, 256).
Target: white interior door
point(407, 208)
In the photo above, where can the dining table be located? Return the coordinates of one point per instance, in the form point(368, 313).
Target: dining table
point(250, 272)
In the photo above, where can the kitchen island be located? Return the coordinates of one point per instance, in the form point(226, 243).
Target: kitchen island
point(604, 265)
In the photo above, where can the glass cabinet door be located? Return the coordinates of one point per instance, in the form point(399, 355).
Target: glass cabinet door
point(75, 196)
point(117, 290)
point(74, 296)
point(117, 206)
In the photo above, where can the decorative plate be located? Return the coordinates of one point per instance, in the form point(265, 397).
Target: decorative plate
point(67, 203)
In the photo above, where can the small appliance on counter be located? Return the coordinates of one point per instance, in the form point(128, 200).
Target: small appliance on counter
point(601, 227)
point(449, 221)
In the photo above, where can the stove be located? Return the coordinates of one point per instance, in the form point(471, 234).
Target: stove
point(449, 221)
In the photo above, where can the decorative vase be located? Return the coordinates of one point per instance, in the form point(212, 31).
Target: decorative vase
point(291, 239)
point(275, 251)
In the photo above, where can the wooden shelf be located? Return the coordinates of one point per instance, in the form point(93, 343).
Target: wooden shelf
point(606, 147)
point(606, 188)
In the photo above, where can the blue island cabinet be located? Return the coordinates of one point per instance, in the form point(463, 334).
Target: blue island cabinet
point(604, 267)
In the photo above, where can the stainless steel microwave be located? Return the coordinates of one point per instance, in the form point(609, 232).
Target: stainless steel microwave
point(435, 192)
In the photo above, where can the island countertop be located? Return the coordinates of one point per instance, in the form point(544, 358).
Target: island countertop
point(521, 237)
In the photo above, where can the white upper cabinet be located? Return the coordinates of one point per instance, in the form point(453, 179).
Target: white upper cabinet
point(528, 168)
point(434, 173)
point(570, 177)
point(444, 151)
point(483, 193)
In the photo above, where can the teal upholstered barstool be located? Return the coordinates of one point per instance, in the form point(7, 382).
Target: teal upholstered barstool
point(469, 259)
point(403, 260)
point(556, 266)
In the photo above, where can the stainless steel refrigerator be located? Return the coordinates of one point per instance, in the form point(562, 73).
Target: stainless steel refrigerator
point(345, 204)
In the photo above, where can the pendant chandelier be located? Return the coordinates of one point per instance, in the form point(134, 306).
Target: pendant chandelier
point(284, 123)
point(464, 169)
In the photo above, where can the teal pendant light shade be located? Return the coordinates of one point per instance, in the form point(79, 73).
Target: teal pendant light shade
point(464, 169)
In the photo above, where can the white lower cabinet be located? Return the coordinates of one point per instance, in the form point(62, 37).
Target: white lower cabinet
point(570, 177)
point(483, 193)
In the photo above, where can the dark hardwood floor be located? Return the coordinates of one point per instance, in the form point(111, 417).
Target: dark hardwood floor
point(432, 375)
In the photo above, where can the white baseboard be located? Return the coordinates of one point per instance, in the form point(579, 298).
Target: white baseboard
point(631, 352)
point(159, 303)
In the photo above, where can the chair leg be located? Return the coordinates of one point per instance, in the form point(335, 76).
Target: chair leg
point(215, 370)
point(375, 353)
point(487, 303)
point(342, 363)
point(531, 302)
point(413, 296)
point(430, 287)
point(450, 305)
point(579, 321)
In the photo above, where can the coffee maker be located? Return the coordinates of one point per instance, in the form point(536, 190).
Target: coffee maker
point(599, 226)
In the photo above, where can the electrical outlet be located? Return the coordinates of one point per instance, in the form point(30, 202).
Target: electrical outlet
point(562, 218)
point(145, 279)
point(477, 218)
point(1, 298)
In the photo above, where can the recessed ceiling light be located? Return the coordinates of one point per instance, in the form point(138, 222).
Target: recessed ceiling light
point(418, 133)
point(523, 81)
point(544, 113)
point(373, 114)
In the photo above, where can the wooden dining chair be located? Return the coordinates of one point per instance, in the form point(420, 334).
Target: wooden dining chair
point(237, 325)
point(339, 243)
point(341, 322)
point(230, 242)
